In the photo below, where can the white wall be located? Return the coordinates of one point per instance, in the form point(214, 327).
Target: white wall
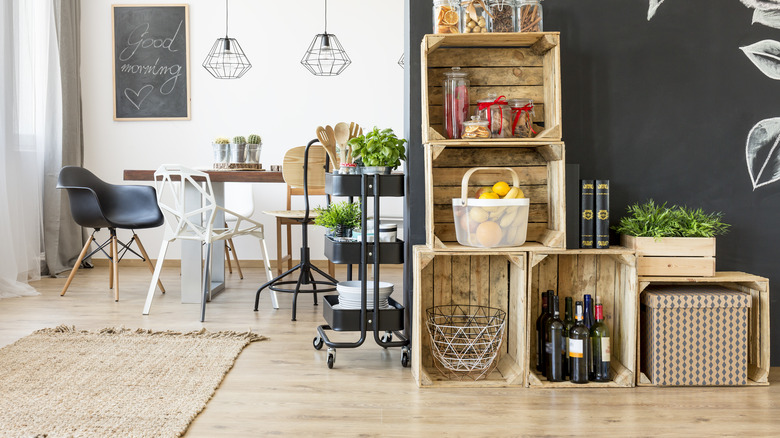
point(278, 98)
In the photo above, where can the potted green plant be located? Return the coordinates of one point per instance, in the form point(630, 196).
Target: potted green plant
point(380, 151)
point(254, 144)
point(339, 217)
point(221, 148)
point(671, 241)
point(238, 149)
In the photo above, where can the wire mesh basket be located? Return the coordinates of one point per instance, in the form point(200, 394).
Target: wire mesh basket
point(465, 339)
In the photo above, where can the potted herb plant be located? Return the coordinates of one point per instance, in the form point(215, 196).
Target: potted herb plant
point(220, 148)
point(254, 145)
point(339, 217)
point(380, 151)
point(238, 149)
point(671, 241)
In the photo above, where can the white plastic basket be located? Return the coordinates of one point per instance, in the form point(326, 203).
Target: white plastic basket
point(490, 223)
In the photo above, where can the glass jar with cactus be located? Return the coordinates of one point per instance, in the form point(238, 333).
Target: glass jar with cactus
point(220, 147)
point(254, 144)
point(238, 149)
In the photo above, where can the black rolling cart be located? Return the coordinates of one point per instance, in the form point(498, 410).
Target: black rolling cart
point(383, 323)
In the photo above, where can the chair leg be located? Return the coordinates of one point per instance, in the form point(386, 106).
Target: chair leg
point(110, 263)
point(235, 257)
point(115, 256)
point(155, 276)
point(278, 246)
point(268, 272)
point(77, 265)
point(289, 246)
point(206, 283)
point(148, 261)
point(331, 269)
point(227, 257)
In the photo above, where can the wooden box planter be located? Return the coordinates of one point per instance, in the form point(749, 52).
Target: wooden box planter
point(515, 65)
point(758, 318)
point(542, 179)
point(488, 279)
point(608, 273)
point(673, 256)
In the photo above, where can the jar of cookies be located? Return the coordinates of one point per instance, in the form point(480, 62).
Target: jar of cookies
point(474, 17)
point(446, 16)
point(476, 128)
point(522, 117)
point(498, 114)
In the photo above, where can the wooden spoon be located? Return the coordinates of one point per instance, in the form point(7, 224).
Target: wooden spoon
point(342, 137)
point(354, 131)
point(332, 136)
point(329, 145)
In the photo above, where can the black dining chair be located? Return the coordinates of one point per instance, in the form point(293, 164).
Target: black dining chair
point(97, 204)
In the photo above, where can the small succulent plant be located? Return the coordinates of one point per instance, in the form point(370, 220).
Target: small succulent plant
point(221, 140)
point(239, 139)
point(254, 139)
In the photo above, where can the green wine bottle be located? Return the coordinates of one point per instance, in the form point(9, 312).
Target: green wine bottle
point(579, 339)
point(553, 330)
point(540, 334)
point(568, 323)
point(599, 338)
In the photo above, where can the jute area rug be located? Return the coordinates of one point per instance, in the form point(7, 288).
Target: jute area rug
point(62, 382)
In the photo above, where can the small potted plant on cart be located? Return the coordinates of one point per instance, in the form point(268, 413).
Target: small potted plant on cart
point(340, 218)
point(380, 151)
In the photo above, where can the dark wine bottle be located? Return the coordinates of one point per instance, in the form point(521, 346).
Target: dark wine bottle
point(540, 334)
point(579, 339)
point(589, 320)
point(568, 323)
point(600, 346)
point(553, 342)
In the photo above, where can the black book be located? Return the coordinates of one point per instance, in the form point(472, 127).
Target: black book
point(602, 213)
point(587, 204)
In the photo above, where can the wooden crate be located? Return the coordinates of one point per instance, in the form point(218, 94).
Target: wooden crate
point(542, 179)
point(673, 256)
point(515, 65)
point(758, 325)
point(458, 277)
point(608, 273)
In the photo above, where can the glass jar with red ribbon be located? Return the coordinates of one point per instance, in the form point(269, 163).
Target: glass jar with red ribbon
point(522, 118)
point(497, 112)
point(456, 101)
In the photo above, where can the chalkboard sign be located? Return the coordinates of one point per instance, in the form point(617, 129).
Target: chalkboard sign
point(151, 62)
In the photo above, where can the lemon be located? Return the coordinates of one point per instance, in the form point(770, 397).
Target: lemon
point(489, 195)
point(501, 187)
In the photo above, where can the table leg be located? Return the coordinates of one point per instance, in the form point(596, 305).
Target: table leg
point(192, 253)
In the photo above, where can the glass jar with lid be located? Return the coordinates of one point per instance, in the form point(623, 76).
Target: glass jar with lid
point(446, 16)
point(498, 114)
point(502, 13)
point(474, 19)
point(476, 128)
point(529, 16)
point(456, 101)
point(522, 117)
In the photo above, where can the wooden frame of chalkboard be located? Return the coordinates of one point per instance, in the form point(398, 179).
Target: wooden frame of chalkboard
point(151, 61)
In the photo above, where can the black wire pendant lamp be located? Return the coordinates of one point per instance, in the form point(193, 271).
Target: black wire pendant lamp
point(226, 59)
point(325, 56)
point(401, 61)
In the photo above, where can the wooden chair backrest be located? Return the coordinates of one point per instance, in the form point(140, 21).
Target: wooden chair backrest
point(292, 171)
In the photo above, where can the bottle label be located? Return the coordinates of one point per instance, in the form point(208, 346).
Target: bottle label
point(576, 348)
point(605, 350)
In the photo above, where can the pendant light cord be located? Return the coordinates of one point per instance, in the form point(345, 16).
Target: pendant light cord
point(226, 19)
point(326, 17)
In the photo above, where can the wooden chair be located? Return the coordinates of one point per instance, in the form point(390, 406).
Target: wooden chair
point(292, 171)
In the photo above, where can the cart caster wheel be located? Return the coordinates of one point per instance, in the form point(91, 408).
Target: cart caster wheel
point(331, 357)
point(387, 337)
point(317, 342)
point(405, 356)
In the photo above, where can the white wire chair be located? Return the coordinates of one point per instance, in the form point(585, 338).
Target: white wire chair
point(197, 223)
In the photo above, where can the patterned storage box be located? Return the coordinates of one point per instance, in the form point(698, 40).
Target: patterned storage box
point(694, 335)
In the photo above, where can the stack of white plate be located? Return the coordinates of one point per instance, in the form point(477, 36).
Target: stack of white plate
point(349, 294)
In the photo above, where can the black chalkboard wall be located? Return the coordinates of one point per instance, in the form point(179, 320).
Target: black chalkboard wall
point(151, 77)
point(663, 108)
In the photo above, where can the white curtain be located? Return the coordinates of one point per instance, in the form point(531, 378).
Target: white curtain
point(30, 110)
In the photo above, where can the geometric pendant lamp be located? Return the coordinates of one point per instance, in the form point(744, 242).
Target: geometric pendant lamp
point(226, 59)
point(325, 56)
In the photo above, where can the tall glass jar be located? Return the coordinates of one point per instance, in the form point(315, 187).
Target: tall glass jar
point(498, 114)
point(456, 102)
point(529, 16)
point(502, 15)
point(522, 117)
point(446, 16)
point(474, 18)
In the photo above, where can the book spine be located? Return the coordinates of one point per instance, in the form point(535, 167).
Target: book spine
point(587, 205)
point(602, 213)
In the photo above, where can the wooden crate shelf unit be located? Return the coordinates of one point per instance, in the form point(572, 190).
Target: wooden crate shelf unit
point(515, 65)
point(494, 279)
point(542, 179)
point(610, 274)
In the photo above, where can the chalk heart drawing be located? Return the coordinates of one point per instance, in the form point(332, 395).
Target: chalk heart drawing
point(766, 56)
point(762, 152)
point(138, 97)
point(654, 4)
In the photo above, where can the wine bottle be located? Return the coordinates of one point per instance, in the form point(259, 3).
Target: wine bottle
point(540, 334)
point(589, 320)
point(553, 341)
point(579, 339)
point(599, 339)
point(568, 323)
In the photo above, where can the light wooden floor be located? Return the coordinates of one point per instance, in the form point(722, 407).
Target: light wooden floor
point(283, 387)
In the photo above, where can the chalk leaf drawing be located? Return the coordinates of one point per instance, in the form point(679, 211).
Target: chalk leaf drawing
point(654, 4)
point(137, 97)
point(766, 56)
point(764, 5)
point(770, 18)
point(762, 152)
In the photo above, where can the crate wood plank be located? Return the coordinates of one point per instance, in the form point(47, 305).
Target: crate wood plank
point(552, 90)
point(437, 115)
point(426, 292)
point(453, 176)
point(480, 57)
point(499, 287)
point(524, 39)
point(686, 266)
point(461, 271)
point(670, 246)
point(490, 76)
point(442, 280)
point(536, 194)
point(535, 92)
point(480, 281)
point(467, 157)
point(517, 292)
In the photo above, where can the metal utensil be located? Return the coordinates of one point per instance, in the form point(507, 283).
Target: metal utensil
point(342, 137)
point(328, 142)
